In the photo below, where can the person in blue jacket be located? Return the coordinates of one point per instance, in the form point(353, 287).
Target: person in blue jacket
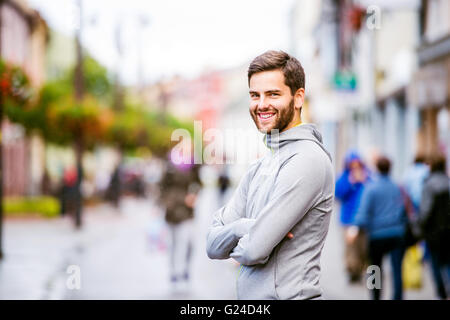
point(382, 215)
point(349, 187)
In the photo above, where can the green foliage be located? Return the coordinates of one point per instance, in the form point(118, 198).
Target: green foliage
point(17, 206)
point(132, 128)
point(96, 79)
point(59, 118)
point(136, 127)
point(68, 119)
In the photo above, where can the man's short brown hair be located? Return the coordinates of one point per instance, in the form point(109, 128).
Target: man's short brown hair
point(294, 75)
point(437, 162)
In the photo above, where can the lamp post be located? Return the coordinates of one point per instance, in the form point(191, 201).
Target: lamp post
point(78, 95)
point(144, 21)
point(118, 92)
point(78, 91)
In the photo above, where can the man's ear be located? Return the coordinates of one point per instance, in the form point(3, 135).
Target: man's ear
point(299, 98)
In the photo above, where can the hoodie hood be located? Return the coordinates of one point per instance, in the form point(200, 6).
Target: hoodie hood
point(350, 156)
point(301, 132)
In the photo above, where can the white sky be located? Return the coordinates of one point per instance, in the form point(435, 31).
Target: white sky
point(183, 37)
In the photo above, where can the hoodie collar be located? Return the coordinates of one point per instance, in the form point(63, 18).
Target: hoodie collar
point(304, 131)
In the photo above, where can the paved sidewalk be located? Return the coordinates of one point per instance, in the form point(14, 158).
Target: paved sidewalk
point(114, 255)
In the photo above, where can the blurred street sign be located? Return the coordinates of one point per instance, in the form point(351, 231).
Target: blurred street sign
point(345, 80)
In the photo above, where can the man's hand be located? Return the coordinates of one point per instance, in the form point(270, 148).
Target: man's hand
point(351, 233)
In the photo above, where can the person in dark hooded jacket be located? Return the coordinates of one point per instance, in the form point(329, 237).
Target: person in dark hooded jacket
point(434, 220)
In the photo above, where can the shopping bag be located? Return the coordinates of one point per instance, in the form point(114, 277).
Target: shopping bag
point(412, 268)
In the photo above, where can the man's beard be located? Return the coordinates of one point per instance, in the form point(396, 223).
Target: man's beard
point(284, 117)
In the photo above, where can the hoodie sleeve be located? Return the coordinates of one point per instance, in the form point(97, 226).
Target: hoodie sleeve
point(297, 189)
point(229, 224)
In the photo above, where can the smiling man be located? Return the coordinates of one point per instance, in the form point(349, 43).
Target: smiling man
point(276, 223)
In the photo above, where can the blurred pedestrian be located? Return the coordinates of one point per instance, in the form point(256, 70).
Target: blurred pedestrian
point(180, 185)
point(276, 223)
point(102, 180)
point(349, 188)
point(414, 179)
point(434, 219)
point(68, 191)
point(224, 184)
point(46, 183)
point(382, 215)
point(412, 187)
point(113, 191)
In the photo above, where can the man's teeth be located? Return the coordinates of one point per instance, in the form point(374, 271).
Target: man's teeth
point(265, 116)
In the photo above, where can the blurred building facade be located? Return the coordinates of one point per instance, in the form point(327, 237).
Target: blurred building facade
point(199, 98)
point(23, 42)
point(362, 58)
point(429, 91)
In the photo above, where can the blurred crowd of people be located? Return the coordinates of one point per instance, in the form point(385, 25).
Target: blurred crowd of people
point(381, 217)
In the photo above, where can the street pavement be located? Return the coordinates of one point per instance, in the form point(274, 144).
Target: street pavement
point(118, 260)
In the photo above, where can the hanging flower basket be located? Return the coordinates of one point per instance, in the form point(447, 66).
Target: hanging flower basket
point(15, 89)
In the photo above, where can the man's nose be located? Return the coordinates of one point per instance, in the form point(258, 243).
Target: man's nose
point(262, 103)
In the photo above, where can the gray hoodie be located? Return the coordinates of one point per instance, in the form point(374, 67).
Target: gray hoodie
point(290, 189)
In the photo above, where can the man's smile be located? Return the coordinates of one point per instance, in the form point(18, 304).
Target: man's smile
point(264, 116)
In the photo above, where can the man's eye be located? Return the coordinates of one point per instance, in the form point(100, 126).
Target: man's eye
point(274, 94)
point(253, 95)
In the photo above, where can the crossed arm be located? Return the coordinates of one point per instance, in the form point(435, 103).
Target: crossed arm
point(229, 224)
point(251, 241)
